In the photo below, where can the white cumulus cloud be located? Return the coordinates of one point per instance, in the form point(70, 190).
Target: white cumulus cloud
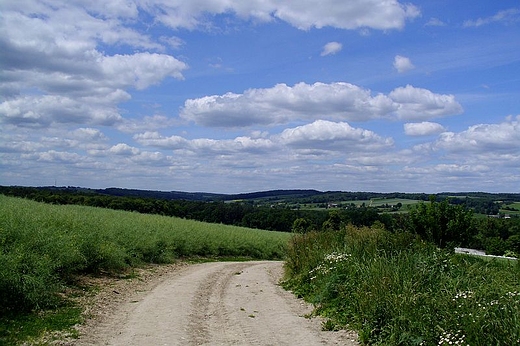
point(403, 64)
point(304, 14)
point(328, 135)
point(320, 135)
point(154, 139)
point(331, 48)
point(40, 111)
point(54, 50)
point(123, 149)
point(435, 22)
point(141, 69)
point(424, 128)
point(335, 101)
point(419, 104)
point(282, 104)
point(486, 138)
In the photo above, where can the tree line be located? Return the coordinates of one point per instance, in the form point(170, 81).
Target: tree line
point(243, 213)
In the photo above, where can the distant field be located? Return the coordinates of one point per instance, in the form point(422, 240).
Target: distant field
point(391, 201)
point(515, 205)
point(374, 202)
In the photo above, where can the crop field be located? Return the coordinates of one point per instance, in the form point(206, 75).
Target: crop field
point(43, 246)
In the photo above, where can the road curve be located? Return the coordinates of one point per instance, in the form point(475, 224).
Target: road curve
point(219, 303)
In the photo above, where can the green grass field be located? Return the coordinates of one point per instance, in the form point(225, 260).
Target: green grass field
point(512, 206)
point(43, 247)
point(375, 202)
point(379, 202)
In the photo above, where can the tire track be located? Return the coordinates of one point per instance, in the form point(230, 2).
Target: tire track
point(208, 307)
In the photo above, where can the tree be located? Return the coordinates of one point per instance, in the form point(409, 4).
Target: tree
point(513, 243)
point(495, 246)
point(441, 223)
point(301, 225)
point(333, 223)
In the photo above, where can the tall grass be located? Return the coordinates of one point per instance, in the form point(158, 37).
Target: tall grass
point(42, 246)
point(396, 290)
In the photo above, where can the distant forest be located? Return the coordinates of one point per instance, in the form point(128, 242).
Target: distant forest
point(480, 202)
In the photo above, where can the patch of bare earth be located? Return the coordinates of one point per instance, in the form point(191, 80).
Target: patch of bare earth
point(217, 303)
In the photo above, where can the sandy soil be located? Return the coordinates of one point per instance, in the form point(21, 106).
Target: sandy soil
point(220, 303)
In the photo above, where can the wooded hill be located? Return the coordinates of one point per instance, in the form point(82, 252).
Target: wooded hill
point(288, 196)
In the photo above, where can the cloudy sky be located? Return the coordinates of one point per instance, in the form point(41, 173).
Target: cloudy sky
point(236, 96)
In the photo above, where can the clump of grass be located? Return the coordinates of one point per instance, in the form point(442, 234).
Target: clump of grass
point(397, 290)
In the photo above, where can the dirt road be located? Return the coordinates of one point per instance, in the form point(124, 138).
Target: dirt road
point(221, 303)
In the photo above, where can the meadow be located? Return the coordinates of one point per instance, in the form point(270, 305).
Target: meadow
point(43, 247)
point(512, 209)
point(382, 203)
point(395, 289)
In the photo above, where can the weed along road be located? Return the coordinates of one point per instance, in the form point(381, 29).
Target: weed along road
point(218, 303)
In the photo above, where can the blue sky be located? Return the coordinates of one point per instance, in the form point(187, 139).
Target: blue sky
point(230, 96)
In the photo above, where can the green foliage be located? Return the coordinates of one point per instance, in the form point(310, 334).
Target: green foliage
point(26, 278)
point(43, 246)
point(513, 243)
point(333, 222)
point(441, 223)
point(497, 236)
point(301, 225)
point(396, 289)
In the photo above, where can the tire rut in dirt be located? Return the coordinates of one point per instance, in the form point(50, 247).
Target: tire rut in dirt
point(208, 309)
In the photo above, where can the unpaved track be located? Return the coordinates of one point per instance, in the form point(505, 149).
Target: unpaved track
point(221, 303)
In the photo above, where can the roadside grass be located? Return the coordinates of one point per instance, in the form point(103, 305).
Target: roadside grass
point(43, 248)
point(394, 289)
point(32, 328)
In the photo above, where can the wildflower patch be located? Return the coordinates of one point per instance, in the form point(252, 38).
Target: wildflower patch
point(330, 263)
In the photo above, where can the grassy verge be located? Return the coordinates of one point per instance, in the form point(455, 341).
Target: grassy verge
point(44, 247)
point(41, 327)
point(396, 290)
